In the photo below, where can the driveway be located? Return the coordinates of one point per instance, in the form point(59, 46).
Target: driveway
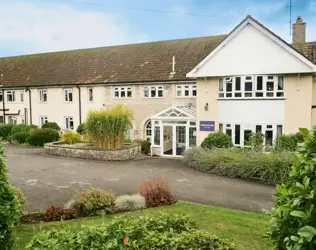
point(51, 180)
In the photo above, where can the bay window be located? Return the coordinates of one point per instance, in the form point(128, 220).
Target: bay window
point(251, 86)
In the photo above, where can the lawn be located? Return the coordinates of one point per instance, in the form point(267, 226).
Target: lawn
point(245, 229)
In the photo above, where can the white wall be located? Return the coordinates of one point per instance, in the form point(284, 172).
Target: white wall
point(251, 52)
point(251, 111)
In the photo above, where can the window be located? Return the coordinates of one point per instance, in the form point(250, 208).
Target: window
point(69, 123)
point(123, 92)
point(43, 120)
point(42, 95)
point(12, 119)
point(148, 131)
point(271, 86)
point(279, 130)
point(11, 96)
point(1, 97)
point(156, 133)
point(181, 134)
point(153, 91)
point(22, 96)
point(90, 94)
point(237, 134)
point(186, 90)
point(129, 133)
point(68, 95)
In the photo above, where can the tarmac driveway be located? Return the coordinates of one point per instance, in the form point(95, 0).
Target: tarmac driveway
point(51, 180)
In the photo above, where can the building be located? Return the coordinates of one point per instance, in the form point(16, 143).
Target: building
point(179, 90)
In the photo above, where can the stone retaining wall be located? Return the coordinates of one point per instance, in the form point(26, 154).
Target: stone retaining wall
point(65, 150)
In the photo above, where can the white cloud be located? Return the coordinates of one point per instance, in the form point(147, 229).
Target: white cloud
point(53, 27)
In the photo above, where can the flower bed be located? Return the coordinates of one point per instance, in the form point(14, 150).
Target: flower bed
point(88, 151)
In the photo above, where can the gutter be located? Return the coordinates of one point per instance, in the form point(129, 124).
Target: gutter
point(101, 83)
point(79, 98)
point(30, 103)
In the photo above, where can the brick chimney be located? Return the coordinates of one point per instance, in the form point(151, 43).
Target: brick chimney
point(299, 31)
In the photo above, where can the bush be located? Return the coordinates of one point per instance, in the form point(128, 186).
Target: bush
point(32, 126)
point(287, 142)
point(256, 141)
point(5, 131)
point(158, 232)
point(22, 200)
point(108, 126)
point(18, 128)
point(38, 137)
point(94, 201)
point(130, 202)
point(81, 129)
point(9, 206)
point(55, 213)
point(294, 213)
point(20, 137)
point(52, 125)
point(70, 137)
point(217, 140)
point(156, 192)
point(241, 163)
point(145, 145)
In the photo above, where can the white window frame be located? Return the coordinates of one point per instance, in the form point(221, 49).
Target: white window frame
point(22, 95)
point(123, 92)
point(42, 95)
point(90, 94)
point(148, 130)
point(43, 119)
point(12, 93)
point(67, 123)
point(181, 90)
point(68, 94)
point(149, 90)
point(12, 119)
point(276, 91)
point(1, 96)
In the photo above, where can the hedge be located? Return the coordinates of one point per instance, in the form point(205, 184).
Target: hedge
point(19, 127)
point(38, 137)
point(5, 130)
point(20, 137)
point(270, 168)
point(52, 125)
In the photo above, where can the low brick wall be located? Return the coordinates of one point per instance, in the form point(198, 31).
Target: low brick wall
point(127, 153)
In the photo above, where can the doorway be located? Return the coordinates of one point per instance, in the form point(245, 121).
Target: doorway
point(174, 140)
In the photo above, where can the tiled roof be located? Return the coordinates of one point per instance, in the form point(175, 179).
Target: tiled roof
point(116, 64)
point(126, 63)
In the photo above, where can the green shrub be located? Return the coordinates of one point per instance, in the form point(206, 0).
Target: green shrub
point(32, 126)
point(107, 127)
point(20, 137)
point(94, 201)
point(5, 131)
point(70, 137)
point(81, 129)
point(18, 128)
point(145, 145)
point(38, 137)
point(22, 200)
point(294, 212)
point(52, 125)
point(241, 163)
point(158, 232)
point(256, 141)
point(217, 140)
point(9, 207)
point(287, 142)
point(130, 202)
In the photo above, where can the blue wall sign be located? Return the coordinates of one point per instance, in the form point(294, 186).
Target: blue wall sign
point(207, 126)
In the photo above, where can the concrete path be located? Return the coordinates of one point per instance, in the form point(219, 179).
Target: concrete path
point(51, 180)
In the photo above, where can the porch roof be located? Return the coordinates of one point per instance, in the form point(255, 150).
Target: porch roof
point(177, 112)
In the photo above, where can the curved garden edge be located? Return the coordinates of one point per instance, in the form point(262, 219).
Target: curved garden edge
point(129, 152)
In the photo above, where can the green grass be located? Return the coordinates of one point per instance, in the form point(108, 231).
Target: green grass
point(245, 229)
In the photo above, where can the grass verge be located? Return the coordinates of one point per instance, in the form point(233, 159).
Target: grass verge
point(245, 229)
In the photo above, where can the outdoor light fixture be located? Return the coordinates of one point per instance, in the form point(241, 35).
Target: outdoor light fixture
point(206, 107)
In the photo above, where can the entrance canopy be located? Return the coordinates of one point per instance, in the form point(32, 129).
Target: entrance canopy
point(186, 112)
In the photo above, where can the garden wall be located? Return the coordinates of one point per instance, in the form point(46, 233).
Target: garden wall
point(78, 151)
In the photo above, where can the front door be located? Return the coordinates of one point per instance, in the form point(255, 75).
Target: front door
point(174, 140)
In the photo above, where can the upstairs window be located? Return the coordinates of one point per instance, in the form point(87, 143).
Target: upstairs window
point(22, 96)
point(252, 86)
point(186, 90)
point(90, 94)
point(11, 96)
point(68, 95)
point(42, 95)
point(153, 91)
point(122, 92)
point(1, 97)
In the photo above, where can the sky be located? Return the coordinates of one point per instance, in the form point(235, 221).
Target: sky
point(37, 26)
